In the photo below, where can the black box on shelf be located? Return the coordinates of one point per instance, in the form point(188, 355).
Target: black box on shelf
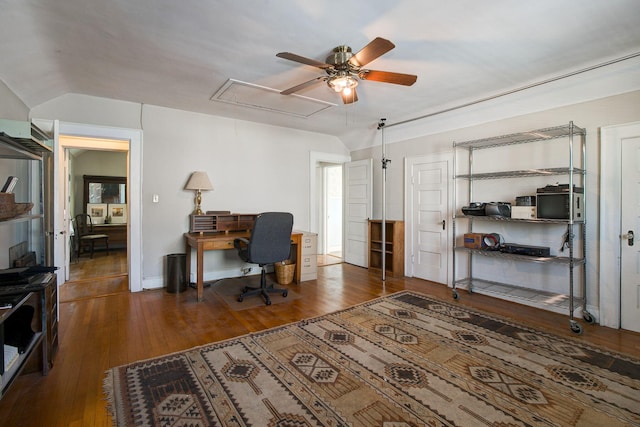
point(537, 251)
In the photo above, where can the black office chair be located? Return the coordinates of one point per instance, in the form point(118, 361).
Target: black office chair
point(86, 236)
point(270, 242)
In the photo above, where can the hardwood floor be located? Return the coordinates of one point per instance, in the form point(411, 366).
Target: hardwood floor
point(99, 276)
point(102, 330)
point(329, 259)
point(101, 265)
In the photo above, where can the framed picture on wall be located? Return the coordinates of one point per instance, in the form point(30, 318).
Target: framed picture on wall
point(97, 212)
point(118, 213)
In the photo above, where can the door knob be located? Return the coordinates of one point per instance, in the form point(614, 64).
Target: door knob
point(629, 236)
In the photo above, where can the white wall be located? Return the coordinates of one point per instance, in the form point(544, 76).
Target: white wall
point(11, 107)
point(253, 168)
point(591, 115)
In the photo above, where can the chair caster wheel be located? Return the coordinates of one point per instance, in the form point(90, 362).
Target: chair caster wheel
point(576, 328)
point(268, 302)
point(284, 294)
point(240, 299)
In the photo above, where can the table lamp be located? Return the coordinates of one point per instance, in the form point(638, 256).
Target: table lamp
point(199, 181)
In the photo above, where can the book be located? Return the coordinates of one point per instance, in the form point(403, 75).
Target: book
point(10, 184)
point(10, 356)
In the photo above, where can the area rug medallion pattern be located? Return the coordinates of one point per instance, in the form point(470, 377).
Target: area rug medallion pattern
point(401, 360)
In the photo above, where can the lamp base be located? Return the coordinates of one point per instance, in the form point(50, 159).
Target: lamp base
point(198, 200)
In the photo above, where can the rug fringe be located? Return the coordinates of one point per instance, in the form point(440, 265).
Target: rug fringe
point(108, 388)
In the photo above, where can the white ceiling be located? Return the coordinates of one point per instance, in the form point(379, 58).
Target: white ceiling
point(178, 54)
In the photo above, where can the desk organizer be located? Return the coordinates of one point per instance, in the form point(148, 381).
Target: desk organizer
point(221, 222)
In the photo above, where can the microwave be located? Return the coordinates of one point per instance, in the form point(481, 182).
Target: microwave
point(556, 206)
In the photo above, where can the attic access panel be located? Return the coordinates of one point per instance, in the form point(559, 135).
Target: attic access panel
point(265, 98)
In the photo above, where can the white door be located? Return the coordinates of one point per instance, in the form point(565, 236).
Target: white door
point(427, 179)
point(358, 190)
point(61, 218)
point(617, 278)
point(630, 224)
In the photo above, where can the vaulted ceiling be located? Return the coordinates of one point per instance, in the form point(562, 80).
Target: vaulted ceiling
point(180, 54)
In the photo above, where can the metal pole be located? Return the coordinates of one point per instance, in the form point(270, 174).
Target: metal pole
point(383, 225)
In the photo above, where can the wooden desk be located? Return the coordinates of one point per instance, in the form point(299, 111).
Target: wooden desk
point(216, 241)
point(117, 234)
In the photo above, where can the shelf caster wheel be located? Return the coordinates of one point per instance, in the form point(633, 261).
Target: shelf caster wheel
point(240, 299)
point(575, 327)
point(455, 295)
point(284, 294)
point(588, 317)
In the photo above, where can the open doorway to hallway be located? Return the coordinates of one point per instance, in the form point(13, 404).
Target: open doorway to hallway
point(331, 245)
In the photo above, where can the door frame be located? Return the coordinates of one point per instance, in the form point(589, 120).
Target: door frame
point(408, 211)
point(316, 159)
point(610, 216)
point(132, 137)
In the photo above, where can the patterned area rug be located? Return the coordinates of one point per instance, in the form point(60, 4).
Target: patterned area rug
point(402, 360)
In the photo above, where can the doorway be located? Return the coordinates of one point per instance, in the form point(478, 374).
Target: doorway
point(103, 272)
point(331, 245)
point(318, 163)
point(118, 139)
point(93, 175)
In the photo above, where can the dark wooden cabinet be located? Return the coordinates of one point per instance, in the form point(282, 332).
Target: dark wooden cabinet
point(117, 234)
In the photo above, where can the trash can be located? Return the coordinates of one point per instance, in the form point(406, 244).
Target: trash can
point(284, 271)
point(176, 267)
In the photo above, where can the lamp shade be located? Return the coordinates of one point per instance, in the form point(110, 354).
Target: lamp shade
point(199, 181)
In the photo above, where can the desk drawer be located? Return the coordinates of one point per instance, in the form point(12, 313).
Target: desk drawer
point(309, 244)
point(309, 264)
point(218, 244)
point(309, 268)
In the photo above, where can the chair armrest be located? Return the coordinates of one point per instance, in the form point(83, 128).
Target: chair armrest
point(240, 243)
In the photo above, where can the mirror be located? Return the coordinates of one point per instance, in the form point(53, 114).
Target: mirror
point(105, 189)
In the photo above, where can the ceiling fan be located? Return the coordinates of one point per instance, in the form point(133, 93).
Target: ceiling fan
point(343, 69)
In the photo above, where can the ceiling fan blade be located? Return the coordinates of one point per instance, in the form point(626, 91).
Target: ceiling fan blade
point(301, 59)
point(303, 85)
point(351, 98)
point(376, 48)
point(388, 77)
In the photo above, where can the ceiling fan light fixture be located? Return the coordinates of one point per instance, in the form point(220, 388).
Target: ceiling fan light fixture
point(343, 83)
point(344, 69)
